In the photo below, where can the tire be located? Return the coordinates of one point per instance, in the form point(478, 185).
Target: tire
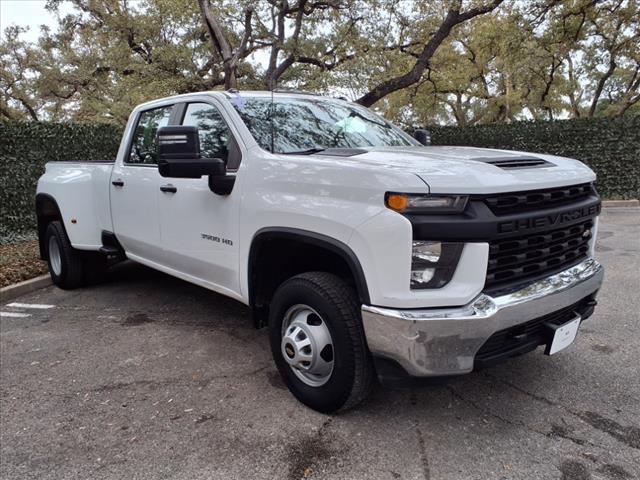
point(66, 264)
point(313, 303)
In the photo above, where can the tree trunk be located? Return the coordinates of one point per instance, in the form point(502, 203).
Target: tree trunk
point(601, 82)
point(230, 77)
point(221, 49)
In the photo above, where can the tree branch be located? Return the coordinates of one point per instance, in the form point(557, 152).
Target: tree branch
point(453, 18)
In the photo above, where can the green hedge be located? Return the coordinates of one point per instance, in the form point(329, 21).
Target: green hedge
point(610, 146)
point(25, 147)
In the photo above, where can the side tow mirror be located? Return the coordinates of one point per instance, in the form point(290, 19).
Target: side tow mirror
point(423, 136)
point(178, 151)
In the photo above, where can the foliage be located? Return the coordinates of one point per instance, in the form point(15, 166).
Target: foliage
point(25, 147)
point(463, 61)
point(533, 60)
point(19, 262)
point(610, 146)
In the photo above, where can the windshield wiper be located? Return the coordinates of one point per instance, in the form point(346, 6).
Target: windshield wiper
point(308, 151)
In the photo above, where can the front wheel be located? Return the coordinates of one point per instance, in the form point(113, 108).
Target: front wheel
point(318, 343)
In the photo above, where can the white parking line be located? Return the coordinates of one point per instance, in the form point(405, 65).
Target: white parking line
point(30, 305)
point(14, 314)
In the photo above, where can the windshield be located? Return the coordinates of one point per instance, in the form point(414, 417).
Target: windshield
point(308, 125)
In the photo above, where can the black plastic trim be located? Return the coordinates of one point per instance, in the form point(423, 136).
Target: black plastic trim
point(41, 198)
point(111, 246)
point(479, 224)
point(536, 334)
point(445, 267)
point(392, 375)
point(312, 238)
point(178, 114)
point(342, 152)
point(513, 163)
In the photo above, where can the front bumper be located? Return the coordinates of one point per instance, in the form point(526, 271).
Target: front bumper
point(444, 341)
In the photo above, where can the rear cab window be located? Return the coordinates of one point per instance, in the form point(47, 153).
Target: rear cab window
point(143, 143)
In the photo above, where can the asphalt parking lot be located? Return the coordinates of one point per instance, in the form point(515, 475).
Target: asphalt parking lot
point(146, 376)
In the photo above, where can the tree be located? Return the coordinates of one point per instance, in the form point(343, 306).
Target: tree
point(222, 49)
point(290, 33)
point(107, 56)
point(18, 92)
point(538, 61)
point(454, 16)
point(457, 61)
point(600, 54)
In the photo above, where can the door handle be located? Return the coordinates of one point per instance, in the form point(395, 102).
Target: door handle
point(168, 188)
point(117, 183)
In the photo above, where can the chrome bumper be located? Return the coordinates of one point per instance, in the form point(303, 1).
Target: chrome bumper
point(444, 341)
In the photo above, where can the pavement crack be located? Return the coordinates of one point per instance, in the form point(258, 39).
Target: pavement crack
point(556, 431)
point(483, 410)
point(629, 435)
point(540, 398)
point(422, 448)
point(307, 454)
point(424, 459)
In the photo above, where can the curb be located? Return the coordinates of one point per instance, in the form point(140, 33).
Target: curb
point(620, 203)
point(27, 286)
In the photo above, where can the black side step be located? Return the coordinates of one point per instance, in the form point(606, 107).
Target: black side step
point(111, 246)
point(109, 251)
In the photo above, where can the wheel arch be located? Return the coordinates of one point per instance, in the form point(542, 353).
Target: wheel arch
point(47, 210)
point(286, 247)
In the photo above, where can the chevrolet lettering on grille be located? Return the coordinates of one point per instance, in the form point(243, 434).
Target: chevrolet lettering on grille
point(545, 221)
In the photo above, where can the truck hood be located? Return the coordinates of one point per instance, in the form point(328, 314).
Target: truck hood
point(470, 170)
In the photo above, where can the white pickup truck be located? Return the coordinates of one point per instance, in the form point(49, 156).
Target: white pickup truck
point(366, 252)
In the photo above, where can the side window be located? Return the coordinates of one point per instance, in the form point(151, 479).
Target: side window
point(143, 146)
point(216, 140)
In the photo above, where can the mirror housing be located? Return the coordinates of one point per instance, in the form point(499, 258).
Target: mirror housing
point(178, 149)
point(423, 136)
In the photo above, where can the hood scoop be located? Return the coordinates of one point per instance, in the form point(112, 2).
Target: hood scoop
point(342, 152)
point(510, 163)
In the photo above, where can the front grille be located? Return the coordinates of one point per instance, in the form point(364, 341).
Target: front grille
point(515, 260)
point(517, 202)
point(528, 336)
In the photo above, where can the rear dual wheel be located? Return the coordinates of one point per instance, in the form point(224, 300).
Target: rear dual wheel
point(70, 268)
point(318, 343)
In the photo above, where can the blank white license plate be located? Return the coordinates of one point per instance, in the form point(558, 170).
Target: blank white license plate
point(563, 336)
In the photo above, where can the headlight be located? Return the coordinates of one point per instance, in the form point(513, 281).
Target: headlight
point(419, 203)
point(433, 263)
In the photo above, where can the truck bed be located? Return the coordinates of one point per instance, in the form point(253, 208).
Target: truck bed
point(81, 192)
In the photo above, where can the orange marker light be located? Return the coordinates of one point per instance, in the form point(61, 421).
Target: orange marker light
point(397, 202)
